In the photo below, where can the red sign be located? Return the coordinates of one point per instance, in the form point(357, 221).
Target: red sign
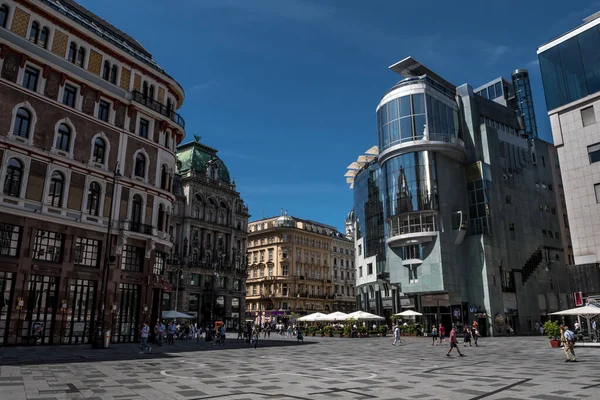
point(578, 297)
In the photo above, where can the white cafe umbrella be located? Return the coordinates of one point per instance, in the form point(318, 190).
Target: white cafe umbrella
point(408, 313)
point(586, 312)
point(175, 314)
point(335, 316)
point(364, 316)
point(311, 317)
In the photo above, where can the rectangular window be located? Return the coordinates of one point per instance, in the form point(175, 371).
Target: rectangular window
point(103, 110)
point(594, 153)
point(587, 116)
point(10, 240)
point(87, 252)
point(511, 226)
point(285, 270)
point(143, 129)
point(360, 249)
point(47, 246)
point(369, 268)
point(30, 78)
point(132, 259)
point(597, 190)
point(69, 96)
point(159, 263)
point(270, 254)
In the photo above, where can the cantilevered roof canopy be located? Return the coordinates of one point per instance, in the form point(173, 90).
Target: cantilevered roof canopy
point(409, 67)
point(373, 151)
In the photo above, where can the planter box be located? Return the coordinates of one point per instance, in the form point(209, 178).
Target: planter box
point(555, 343)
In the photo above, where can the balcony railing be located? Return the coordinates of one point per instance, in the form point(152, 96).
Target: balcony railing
point(159, 108)
point(133, 226)
point(432, 137)
point(412, 223)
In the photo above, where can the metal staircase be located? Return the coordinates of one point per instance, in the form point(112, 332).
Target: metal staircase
point(532, 264)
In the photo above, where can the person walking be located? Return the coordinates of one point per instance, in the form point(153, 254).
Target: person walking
point(434, 335)
point(454, 343)
point(222, 335)
point(144, 339)
point(475, 332)
point(171, 333)
point(397, 338)
point(467, 337)
point(442, 332)
point(569, 340)
point(255, 334)
point(161, 332)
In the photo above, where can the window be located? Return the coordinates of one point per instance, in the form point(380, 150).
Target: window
point(69, 96)
point(594, 153)
point(136, 209)
point(285, 270)
point(47, 246)
point(163, 177)
point(140, 165)
point(143, 128)
point(10, 240)
point(55, 192)
point(3, 15)
point(508, 199)
point(369, 268)
point(93, 199)
point(587, 116)
point(132, 259)
point(412, 274)
point(72, 53)
point(63, 138)
point(103, 110)
point(43, 42)
point(81, 57)
point(360, 249)
point(13, 178)
point(596, 190)
point(99, 150)
point(166, 143)
point(511, 226)
point(30, 78)
point(87, 252)
point(113, 74)
point(22, 123)
point(159, 265)
point(161, 218)
point(34, 32)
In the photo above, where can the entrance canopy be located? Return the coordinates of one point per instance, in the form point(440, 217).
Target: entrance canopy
point(364, 316)
point(175, 314)
point(585, 311)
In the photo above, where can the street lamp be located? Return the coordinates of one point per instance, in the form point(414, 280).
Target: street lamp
point(104, 282)
point(179, 275)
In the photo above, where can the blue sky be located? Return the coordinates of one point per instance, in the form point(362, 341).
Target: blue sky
point(286, 90)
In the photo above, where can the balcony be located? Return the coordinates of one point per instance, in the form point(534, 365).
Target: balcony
point(449, 145)
point(159, 108)
point(412, 228)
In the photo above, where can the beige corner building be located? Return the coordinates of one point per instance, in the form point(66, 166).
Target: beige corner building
point(291, 269)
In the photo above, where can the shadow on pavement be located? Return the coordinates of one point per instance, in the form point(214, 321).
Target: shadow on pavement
point(19, 356)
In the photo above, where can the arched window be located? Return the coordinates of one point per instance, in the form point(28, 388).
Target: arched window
point(145, 89)
point(3, 15)
point(99, 150)
point(63, 138)
point(81, 56)
point(22, 123)
point(44, 37)
point(34, 33)
point(163, 177)
point(209, 216)
point(93, 200)
point(161, 218)
point(196, 212)
point(72, 53)
point(140, 165)
point(57, 186)
point(106, 70)
point(13, 178)
point(113, 74)
point(221, 219)
point(151, 92)
point(136, 210)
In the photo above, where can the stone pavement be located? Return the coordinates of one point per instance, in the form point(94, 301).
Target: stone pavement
point(321, 368)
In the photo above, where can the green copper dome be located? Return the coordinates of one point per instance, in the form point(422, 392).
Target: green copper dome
point(196, 156)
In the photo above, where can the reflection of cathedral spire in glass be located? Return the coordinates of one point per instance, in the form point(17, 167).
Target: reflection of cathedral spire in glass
point(404, 194)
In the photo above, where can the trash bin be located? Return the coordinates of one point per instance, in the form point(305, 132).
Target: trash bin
point(106, 338)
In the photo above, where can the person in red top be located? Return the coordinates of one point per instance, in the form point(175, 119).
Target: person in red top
point(442, 332)
point(454, 342)
point(475, 331)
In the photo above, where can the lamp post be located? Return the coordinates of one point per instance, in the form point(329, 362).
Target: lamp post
point(104, 281)
point(179, 275)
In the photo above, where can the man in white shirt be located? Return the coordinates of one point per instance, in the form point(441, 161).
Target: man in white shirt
point(144, 338)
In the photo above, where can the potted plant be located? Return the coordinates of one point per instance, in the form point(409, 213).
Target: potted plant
point(552, 330)
point(383, 330)
point(347, 331)
point(328, 331)
point(363, 331)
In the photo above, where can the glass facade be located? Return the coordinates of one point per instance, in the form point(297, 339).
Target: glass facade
point(571, 70)
point(522, 89)
point(368, 212)
point(415, 117)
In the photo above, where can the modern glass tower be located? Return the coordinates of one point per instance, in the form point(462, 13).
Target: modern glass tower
point(522, 91)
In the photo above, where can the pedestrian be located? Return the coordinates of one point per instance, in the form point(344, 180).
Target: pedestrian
point(161, 333)
point(434, 335)
point(467, 337)
point(144, 339)
point(397, 338)
point(475, 332)
point(222, 335)
point(255, 334)
point(289, 332)
point(442, 332)
point(171, 333)
point(454, 342)
point(240, 333)
point(569, 343)
point(300, 336)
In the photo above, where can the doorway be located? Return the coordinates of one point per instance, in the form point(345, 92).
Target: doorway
point(127, 321)
point(38, 327)
point(6, 304)
point(80, 311)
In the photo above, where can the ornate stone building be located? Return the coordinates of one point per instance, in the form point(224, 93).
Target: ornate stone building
point(344, 279)
point(88, 132)
point(290, 267)
point(207, 268)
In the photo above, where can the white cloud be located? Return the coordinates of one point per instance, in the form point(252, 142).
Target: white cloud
point(204, 85)
point(495, 53)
